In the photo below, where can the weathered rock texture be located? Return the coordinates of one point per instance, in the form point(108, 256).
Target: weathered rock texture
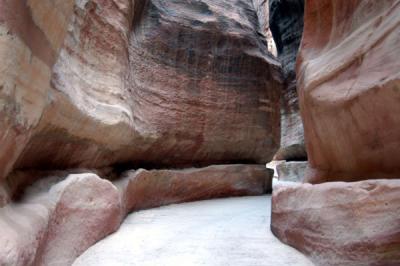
point(292, 171)
point(262, 9)
point(100, 82)
point(58, 221)
point(203, 83)
point(286, 24)
point(349, 84)
point(148, 189)
point(58, 218)
point(337, 223)
point(31, 34)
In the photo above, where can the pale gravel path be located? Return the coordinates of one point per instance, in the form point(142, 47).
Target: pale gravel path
point(226, 232)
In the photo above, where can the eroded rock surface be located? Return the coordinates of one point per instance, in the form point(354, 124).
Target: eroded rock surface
point(57, 221)
point(28, 49)
point(337, 223)
point(155, 82)
point(349, 80)
point(63, 214)
point(292, 171)
point(205, 87)
point(148, 189)
point(286, 24)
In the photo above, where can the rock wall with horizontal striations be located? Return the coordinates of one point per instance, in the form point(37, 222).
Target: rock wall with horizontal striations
point(160, 83)
point(205, 89)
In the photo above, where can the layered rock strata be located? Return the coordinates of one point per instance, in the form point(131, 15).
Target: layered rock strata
point(95, 83)
point(108, 84)
point(349, 80)
point(62, 215)
point(337, 223)
point(205, 88)
point(286, 25)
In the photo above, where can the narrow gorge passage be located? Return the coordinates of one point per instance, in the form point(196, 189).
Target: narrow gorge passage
point(229, 232)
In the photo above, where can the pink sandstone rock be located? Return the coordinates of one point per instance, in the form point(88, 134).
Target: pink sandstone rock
point(56, 222)
point(87, 210)
point(148, 189)
point(341, 224)
point(31, 34)
point(101, 82)
point(60, 216)
point(348, 78)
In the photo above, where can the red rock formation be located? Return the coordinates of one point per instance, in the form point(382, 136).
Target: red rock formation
point(55, 224)
point(348, 71)
point(205, 88)
point(348, 80)
point(29, 45)
point(57, 220)
point(104, 82)
point(148, 189)
point(162, 83)
point(346, 224)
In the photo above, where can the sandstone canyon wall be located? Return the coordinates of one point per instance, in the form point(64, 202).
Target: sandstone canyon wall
point(28, 51)
point(156, 82)
point(92, 88)
point(286, 25)
point(348, 79)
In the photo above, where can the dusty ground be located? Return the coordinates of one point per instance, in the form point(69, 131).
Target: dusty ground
point(226, 232)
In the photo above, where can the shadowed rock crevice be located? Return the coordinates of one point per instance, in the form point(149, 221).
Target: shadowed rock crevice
point(286, 24)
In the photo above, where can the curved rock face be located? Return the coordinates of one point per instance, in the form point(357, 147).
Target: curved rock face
point(205, 87)
point(343, 224)
point(349, 80)
point(156, 82)
point(88, 118)
point(286, 24)
point(58, 221)
point(63, 214)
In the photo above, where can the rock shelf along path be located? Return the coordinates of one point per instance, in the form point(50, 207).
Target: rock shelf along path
point(226, 232)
